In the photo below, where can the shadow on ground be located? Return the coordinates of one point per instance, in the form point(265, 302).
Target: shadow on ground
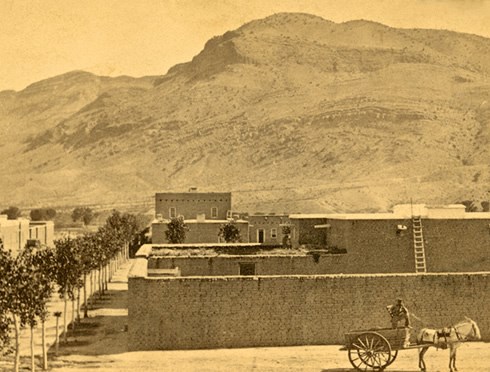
point(104, 332)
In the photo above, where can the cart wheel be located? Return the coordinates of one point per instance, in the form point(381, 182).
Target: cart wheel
point(371, 351)
point(394, 354)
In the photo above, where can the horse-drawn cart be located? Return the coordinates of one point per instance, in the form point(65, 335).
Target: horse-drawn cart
point(376, 349)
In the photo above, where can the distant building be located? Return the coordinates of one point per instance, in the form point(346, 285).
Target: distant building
point(16, 234)
point(268, 229)
point(213, 205)
point(203, 213)
point(42, 232)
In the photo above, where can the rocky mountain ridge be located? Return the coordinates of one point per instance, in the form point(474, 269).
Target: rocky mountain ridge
point(291, 113)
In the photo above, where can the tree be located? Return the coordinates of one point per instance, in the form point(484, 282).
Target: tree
point(42, 214)
point(68, 272)
point(39, 266)
point(5, 319)
point(470, 206)
point(84, 214)
point(485, 205)
point(176, 228)
point(37, 215)
point(286, 237)
point(229, 233)
point(12, 213)
point(50, 214)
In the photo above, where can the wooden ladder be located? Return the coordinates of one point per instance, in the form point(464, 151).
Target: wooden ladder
point(418, 245)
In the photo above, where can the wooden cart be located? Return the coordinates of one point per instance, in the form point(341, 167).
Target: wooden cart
point(375, 349)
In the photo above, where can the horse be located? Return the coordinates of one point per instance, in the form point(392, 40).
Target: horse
point(452, 336)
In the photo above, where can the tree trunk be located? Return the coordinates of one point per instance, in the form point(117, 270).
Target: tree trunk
point(65, 326)
point(92, 291)
point(73, 317)
point(57, 339)
point(45, 353)
point(33, 360)
point(85, 310)
point(78, 304)
point(101, 288)
point(17, 343)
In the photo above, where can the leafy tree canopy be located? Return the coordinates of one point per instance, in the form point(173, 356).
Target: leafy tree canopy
point(12, 212)
point(42, 214)
point(230, 233)
point(84, 214)
point(176, 228)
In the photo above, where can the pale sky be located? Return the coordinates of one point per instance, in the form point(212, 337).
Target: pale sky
point(44, 38)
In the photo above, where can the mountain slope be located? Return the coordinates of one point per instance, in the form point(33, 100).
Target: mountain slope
point(291, 113)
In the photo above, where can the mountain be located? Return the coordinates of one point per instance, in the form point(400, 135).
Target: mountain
point(290, 113)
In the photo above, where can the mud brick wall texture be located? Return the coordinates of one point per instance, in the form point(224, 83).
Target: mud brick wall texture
point(278, 265)
point(460, 245)
point(224, 312)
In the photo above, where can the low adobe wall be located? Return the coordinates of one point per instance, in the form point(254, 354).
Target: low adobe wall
point(264, 265)
point(223, 312)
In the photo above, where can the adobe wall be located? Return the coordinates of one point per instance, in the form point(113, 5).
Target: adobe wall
point(457, 245)
point(223, 312)
point(350, 263)
point(264, 265)
point(305, 232)
point(374, 245)
point(452, 245)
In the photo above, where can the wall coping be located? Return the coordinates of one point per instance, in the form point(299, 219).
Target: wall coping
point(144, 251)
point(204, 245)
point(314, 277)
point(248, 256)
point(139, 268)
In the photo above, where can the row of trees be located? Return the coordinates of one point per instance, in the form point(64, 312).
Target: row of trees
point(84, 214)
point(39, 214)
point(77, 267)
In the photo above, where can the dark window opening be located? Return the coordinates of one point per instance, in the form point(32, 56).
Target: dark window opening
point(247, 269)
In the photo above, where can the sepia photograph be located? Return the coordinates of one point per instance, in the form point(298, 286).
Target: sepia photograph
point(238, 186)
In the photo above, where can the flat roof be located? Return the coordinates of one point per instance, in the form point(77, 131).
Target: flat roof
point(201, 221)
point(203, 245)
point(348, 216)
point(386, 216)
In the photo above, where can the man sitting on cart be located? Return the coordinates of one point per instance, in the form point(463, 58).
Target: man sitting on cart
point(399, 312)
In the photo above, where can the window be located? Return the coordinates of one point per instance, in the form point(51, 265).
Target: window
point(214, 212)
point(172, 212)
point(273, 233)
point(247, 268)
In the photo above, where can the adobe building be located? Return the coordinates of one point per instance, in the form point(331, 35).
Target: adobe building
point(414, 238)
point(210, 205)
point(203, 212)
point(42, 232)
point(268, 229)
point(14, 233)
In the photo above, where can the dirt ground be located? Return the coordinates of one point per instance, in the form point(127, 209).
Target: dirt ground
point(100, 343)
